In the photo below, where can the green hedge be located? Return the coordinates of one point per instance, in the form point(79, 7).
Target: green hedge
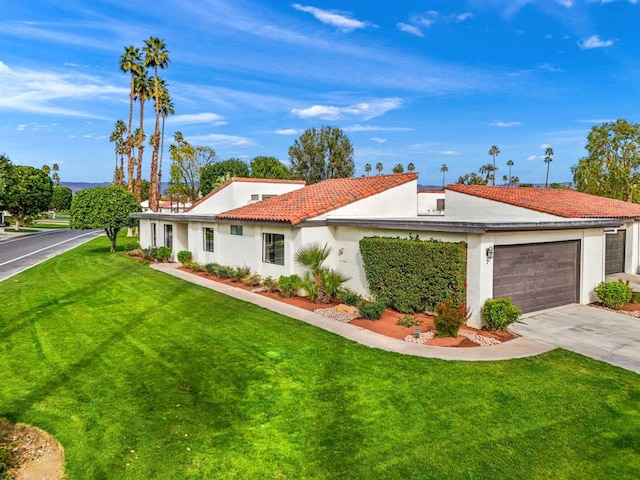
point(412, 275)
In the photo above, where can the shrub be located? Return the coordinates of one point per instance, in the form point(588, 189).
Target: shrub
point(409, 321)
point(371, 310)
point(252, 280)
point(310, 287)
point(163, 254)
point(136, 252)
point(449, 318)
point(348, 296)
point(332, 280)
point(239, 273)
point(499, 313)
point(225, 272)
point(150, 253)
point(184, 256)
point(414, 275)
point(269, 284)
point(614, 294)
point(212, 268)
point(289, 285)
point(6, 463)
point(131, 246)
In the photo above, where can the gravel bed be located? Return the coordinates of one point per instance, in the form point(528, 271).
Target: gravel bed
point(479, 339)
point(340, 316)
point(424, 337)
point(635, 313)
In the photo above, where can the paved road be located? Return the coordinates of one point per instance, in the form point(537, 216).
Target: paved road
point(17, 253)
point(611, 337)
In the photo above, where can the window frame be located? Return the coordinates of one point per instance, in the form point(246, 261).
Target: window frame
point(236, 230)
point(270, 248)
point(154, 234)
point(208, 242)
point(168, 235)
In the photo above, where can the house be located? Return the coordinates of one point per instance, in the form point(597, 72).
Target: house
point(166, 206)
point(541, 247)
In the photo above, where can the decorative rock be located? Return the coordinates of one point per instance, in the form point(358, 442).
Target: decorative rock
point(479, 339)
point(348, 309)
point(424, 337)
point(336, 315)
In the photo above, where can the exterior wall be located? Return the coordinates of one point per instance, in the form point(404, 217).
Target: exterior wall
point(428, 202)
point(632, 248)
point(238, 193)
point(468, 206)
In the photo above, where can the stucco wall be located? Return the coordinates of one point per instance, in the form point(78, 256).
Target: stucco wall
point(468, 206)
point(428, 201)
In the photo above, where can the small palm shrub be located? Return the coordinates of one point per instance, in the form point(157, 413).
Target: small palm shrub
point(252, 280)
point(288, 285)
point(614, 294)
point(184, 256)
point(332, 280)
point(371, 310)
point(499, 313)
point(163, 254)
point(449, 318)
point(348, 296)
point(269, 284)
point(238, 273)
point(310, 287)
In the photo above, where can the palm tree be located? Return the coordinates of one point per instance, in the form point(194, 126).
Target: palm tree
point(156, 56)
point(510, 164)
point(120, 148)
point(411, 167)
point(130, 61)
point(367, 168)
point(505, 179)
point(515, 180)
point(444, 169)
point(379, 167)
point(548, 158)
point(47, 170)
point(494, 151)
point(399, 168)
point(56, 177)
point(142, 93)
point(166, 109)
point(313, 256)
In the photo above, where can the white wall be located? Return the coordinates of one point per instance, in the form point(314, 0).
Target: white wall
point(428, 201)
point(469, 206)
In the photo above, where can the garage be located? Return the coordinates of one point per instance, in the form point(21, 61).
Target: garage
point(614, 252)
point(537, 275)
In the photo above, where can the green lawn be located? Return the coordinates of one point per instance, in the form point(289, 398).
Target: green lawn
point(141, 375)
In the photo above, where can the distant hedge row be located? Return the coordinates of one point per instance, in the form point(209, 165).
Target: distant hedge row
point(412, 275)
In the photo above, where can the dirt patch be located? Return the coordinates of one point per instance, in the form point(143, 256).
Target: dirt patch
point(36, 454)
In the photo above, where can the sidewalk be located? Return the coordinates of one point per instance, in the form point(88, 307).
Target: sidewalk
point(517, 348)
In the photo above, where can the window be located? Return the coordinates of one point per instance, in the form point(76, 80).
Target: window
point(267, 196)
point(440, 204)
point(255, 197)
point(273, 248)
point(168, 236)
point(236, 229)
point(208, 239)
point(154, 237)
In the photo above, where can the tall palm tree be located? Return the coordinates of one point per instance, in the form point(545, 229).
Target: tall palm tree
point(548, 158)
point(166, 109)
point(515, 180)
point(143, 86)
point(399, 168)
point(494, 151)
point(131, 62)
point(367, 168)
point(156, 56)
point(505, 179)
point(444, 169)
point(379, 167)
point(47, 169)
point(411, 167)
point(510, 164)
point(56, 176)
point(120, 148)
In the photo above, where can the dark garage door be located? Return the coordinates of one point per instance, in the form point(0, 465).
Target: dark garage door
point(614, 252)
point(537, 275)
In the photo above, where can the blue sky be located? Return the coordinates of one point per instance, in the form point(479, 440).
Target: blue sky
point(428, 82)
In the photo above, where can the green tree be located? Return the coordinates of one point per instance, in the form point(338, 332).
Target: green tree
point(187, 163)
point(510, 164)
point(131, 62)
point(444, 169)
point(234, 167)
point(107, 208)
point(472, 179)
point(61, 199)
point(367, 169)
point(494, 151)
point(612, 166)
point(268, 167)
point(46, 169)
point(166, 109)
point(411, 167)
point(399, 168)
point(156, 56)
point(143, 86)
point(489, 173)
point(515, 181)
point(56, 175)
point(28, 192)
point(379, 167)
point(5, 174)
point(320, 154)
point(120, 148)
point(548, 158)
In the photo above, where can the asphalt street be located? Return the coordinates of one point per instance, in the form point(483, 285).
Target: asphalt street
point(20, 252)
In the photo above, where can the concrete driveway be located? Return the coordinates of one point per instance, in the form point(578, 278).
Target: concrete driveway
point(596, 333)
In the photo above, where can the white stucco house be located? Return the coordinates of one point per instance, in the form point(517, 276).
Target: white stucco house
point(541, 247)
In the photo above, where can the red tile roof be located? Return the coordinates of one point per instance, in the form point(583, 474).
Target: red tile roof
point(560, 202)
point(245, 180)
point(313, 200)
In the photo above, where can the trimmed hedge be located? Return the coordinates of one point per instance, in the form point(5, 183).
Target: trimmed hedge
point(614, 294)
point(413, 275)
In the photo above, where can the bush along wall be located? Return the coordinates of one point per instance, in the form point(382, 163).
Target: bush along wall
point(412, 275)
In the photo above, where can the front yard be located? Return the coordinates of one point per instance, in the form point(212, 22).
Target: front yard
point(140, 375)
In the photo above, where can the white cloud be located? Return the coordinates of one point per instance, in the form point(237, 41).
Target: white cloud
point(594, 41)
point(425, 20)
point(221, 140)
point(532, 157)
point(565, 3)
point(449, 152)
point(286, 131)
point(21, 127)
point(373, 128)
point(548, 67)
point(404, 27)
point(463, 16)
point(378, 139)
point(70, 64)
point(544, 146)
point(365, 110)
point(204, 117)
point(333, 18)
point(504, 124)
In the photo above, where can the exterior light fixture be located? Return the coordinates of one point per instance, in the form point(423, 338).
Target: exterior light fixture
point(416, 332)
point(490, 252)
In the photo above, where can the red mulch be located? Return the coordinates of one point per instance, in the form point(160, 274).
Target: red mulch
point(385, 325)
point(631, 307)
